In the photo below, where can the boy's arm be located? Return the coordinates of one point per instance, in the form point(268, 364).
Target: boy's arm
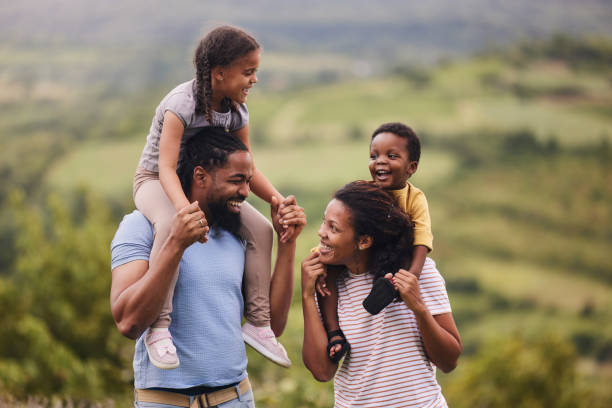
point(419, 253)
point(423, 239)
point(169, 148)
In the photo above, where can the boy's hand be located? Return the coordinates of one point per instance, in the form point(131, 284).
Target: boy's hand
point(321, 285)
point(288, 218)
point(189, 225)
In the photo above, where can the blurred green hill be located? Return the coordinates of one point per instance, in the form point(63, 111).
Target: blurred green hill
point(516, 166)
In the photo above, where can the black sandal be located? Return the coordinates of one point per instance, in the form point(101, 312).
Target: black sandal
point(345, 346)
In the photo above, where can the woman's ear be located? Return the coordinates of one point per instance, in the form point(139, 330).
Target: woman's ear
point(365, 241)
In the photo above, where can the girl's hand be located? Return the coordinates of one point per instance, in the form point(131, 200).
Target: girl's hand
point(292, 218)
point(288, 220)
point(312, 268)
point(408, 287)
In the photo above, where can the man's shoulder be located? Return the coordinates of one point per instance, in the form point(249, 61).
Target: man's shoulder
point(134, 227)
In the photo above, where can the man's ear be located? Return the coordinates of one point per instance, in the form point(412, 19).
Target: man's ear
point(201, 177)
point(365, 241)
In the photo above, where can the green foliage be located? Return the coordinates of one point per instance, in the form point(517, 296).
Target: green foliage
point(58, 337)
point(522, 373)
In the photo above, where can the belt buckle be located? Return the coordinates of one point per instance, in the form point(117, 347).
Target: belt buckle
point(202, 403)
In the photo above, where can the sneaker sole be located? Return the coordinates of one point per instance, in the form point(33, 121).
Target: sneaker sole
point(157, 364)
point(264, 351)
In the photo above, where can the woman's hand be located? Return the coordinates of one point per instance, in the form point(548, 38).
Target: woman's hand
point(312, 268)
point(408, 287)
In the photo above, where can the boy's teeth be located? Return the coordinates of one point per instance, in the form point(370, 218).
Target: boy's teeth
point(235, 203)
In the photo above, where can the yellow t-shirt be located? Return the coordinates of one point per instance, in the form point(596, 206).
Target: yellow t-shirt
point(414, 203)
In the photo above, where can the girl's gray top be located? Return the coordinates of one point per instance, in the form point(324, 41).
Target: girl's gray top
point(181, 102)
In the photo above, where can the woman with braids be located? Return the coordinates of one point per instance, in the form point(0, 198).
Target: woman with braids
point(394, 353)
point(226, 62)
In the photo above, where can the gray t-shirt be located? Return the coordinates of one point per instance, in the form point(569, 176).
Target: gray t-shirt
point(181, 102)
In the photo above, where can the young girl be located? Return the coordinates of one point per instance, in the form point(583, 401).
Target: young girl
point(226, 62)
point(395, 151)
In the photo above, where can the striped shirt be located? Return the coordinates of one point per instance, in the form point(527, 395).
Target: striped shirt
point(387, 365)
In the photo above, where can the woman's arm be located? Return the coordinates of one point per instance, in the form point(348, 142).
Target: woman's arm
point(439, 333)
point(139, 289)
point(169, 148)
point(314, 352)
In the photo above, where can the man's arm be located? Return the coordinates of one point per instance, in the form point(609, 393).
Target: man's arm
point(138, 289)
point(281, 285)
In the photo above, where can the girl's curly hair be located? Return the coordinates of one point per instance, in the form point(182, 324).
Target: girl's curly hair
point(220, 47)
point(375, 212)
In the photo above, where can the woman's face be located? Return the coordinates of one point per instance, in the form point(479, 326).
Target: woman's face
point(337, 246)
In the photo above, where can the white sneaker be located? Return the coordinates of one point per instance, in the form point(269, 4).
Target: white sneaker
point(161, 350)
point(263, 340)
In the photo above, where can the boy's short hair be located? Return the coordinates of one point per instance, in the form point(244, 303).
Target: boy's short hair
point(413, 143)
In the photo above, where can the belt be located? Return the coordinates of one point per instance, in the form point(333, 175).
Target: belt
point(210, 399)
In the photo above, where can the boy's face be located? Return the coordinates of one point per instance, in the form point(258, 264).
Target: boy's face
point(390, 166)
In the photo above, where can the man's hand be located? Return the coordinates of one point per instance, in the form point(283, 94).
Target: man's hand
point(288, 218)
point(189, 225)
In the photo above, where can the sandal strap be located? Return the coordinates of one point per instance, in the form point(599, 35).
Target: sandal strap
point(334, 333)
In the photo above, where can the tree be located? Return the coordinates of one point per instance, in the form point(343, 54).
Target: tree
point(58, 337)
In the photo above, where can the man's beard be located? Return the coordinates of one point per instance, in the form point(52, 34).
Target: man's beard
point(224, 219)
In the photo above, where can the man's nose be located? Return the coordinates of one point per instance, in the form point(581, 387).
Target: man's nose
point(244, 190)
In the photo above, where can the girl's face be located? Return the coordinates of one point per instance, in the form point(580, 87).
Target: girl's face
point(390, 165)
point(337, 246)
point(235, 80)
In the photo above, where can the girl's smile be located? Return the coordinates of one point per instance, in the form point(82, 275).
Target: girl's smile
point(235, 80)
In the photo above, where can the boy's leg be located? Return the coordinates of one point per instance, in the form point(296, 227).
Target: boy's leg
point(338, 345)
point(258, 233)
point(152, 201)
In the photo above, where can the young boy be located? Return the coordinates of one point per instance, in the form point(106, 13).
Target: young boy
point(395, 151)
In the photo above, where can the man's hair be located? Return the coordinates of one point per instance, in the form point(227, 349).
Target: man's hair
point(413, 143)
point(209, 148)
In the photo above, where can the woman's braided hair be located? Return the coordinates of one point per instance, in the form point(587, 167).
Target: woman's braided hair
point(375, 212)
point(220, 47)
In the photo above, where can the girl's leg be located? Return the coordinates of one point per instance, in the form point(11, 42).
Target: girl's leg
point(152, 201)
point(258, 233)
